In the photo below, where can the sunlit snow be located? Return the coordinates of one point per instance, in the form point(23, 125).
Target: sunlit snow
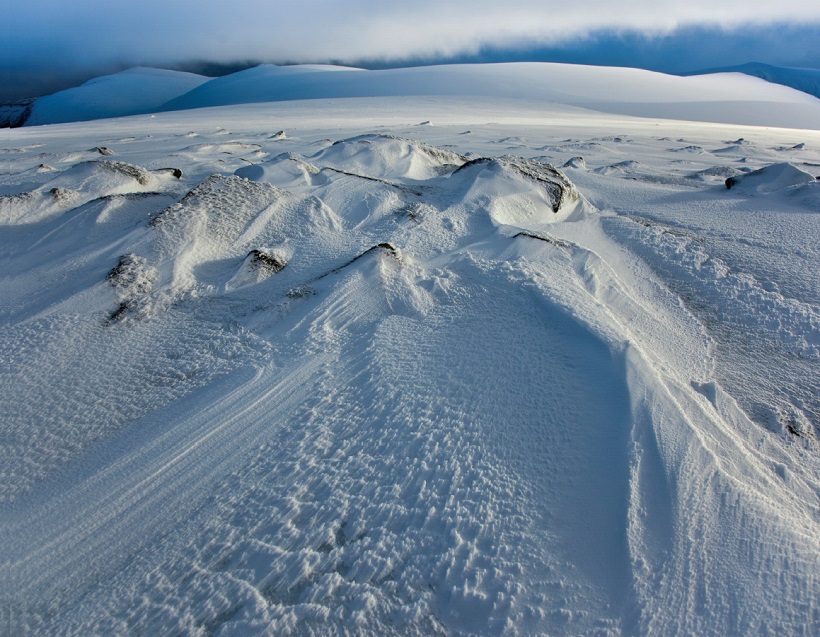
point(411, 365)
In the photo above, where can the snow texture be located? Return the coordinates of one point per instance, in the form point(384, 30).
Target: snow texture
point(313, 368)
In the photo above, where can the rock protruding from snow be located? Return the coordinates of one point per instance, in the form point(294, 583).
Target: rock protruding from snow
point(260, 264)
point(388, 157)
point(560, 191)
point(225, 203)
point(75, 186)
point(132, 278)
point(14, 114)
point(576, 162)
point(265, 261)
point(770, 179)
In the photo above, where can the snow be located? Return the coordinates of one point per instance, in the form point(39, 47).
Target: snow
point(726, 97)
point(731, 97)
point(806, 80)
point(137, 90)
point(369, 376)
point(769, 179)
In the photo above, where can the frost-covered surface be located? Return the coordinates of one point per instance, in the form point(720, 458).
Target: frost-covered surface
point(137, 90)
point(394, 370)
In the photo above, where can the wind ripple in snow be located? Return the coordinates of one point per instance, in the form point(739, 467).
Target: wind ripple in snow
point(461, 430)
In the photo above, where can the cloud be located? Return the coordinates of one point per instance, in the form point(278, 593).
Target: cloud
point(70, 37)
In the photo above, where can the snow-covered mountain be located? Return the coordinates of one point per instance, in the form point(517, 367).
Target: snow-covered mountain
point(432, 365)
point(131, 92)
point(729, 97)
point(806, 80)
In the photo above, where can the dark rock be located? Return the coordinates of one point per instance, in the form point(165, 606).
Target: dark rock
point(176, 172)
point(560, 189)
point(265, 260)
point(131, 275)
point(15, 114)
point(62, 194)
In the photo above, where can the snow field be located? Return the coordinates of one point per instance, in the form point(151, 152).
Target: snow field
point(506, 419)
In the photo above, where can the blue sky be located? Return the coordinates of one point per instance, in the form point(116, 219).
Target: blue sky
point(50, 44)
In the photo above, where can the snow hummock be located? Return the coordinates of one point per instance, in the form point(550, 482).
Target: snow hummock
point(770, 179)
point(312, 368)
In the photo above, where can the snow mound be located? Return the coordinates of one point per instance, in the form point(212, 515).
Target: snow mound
point(717, 172)
point(806, 80)
point(284, 170)
point(387, 157)
point(132, 92)
point(576, 162)
point(260, 264)
point(498, 180)
point(79, 184)
point(374, 157)
point(770, 179)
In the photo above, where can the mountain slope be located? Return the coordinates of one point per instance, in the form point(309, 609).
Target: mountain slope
point(729, 98)
point(720, 98)
point(132, 92)
point(805, 80)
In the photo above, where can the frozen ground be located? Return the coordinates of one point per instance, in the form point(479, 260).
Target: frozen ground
point(341, 376)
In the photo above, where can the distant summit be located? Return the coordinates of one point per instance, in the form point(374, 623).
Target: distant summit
point(723, 98)
point(132, 92)
point(806, 80)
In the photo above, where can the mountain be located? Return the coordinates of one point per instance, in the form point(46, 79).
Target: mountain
point(729, 98)
point(132, 92)
point(718, 98)
point(805, 80)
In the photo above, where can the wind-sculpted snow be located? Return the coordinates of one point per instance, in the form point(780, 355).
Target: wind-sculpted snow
point(770, 179)
point(77, 185)
point(409, 380)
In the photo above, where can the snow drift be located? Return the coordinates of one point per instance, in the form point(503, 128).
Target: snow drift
point(770, 179)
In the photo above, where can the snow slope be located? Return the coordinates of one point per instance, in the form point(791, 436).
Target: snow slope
point(726, 97)
point(806, 80)
point(409, 366)
point(734, 98)
point(137, 90)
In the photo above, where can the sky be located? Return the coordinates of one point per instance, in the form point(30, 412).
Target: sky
point(52, 44)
